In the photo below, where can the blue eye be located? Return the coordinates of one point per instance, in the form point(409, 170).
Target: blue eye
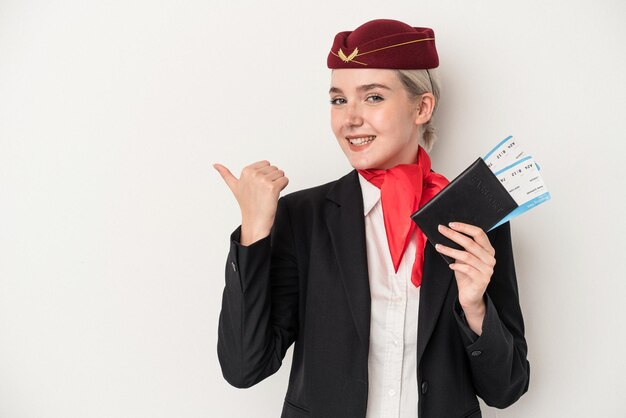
point(337, 101)
point(374, 98)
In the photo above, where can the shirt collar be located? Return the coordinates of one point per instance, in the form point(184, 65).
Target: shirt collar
point(371, 195)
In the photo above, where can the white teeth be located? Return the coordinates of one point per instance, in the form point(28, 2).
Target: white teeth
point(361, 141)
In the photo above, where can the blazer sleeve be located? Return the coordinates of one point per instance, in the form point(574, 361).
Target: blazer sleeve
point(259, 316)
point(497, 358)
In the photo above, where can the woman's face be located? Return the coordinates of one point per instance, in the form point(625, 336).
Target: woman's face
point(373, 119)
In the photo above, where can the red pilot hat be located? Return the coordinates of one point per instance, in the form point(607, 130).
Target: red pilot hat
point(384, 43)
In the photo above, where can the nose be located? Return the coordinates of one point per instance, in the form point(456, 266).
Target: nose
point(353, 115)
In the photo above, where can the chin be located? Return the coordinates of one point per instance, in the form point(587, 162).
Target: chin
point(360, 164)
point(361, 161)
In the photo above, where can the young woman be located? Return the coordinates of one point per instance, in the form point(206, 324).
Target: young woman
point(382, 325)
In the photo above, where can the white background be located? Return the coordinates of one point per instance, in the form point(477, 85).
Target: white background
point(114, 226)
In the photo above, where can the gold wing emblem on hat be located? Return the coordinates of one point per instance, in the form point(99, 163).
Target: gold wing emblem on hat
point(349, 57)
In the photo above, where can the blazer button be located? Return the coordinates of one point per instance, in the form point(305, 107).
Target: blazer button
point(424, 387)
point(232, 264)
point(476, 353)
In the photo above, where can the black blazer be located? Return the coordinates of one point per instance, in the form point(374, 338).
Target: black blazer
point(307, 282)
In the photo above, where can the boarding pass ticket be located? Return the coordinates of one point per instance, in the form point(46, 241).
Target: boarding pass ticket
point(522, 180)
point(504, 154)
point(519, 173)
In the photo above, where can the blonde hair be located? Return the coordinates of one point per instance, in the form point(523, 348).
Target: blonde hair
point(416, 83)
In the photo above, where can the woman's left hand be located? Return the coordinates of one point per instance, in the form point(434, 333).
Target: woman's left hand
point(472, 268)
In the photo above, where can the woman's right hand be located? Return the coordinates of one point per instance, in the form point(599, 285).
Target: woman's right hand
point(257, 191)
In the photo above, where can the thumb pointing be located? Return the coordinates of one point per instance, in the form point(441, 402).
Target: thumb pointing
point(231, 181)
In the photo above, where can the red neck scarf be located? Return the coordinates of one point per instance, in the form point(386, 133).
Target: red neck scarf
point(404, 189)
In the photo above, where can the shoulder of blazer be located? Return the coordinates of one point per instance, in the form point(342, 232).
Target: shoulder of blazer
point(316, 196)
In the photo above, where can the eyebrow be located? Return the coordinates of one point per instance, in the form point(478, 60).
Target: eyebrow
point(364, 87)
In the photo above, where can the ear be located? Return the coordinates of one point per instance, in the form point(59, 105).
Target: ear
point(425, 109)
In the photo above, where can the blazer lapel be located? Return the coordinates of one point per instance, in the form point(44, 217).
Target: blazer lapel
point(346, 226)
point(436, 280)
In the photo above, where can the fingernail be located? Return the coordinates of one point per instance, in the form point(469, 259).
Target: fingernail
point(441, 227)
point(453, 224)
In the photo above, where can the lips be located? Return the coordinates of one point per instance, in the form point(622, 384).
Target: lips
point(360, 140)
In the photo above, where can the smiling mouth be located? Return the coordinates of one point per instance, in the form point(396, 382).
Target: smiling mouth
point(360, 141)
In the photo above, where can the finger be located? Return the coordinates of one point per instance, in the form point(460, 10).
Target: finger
point(253, 168)
point(275, 175)
point(282, 182)
point(475, 232)
point(231, 181)
point(259, 164)
point(267, 169)
point(476, 277)
point(464, 257)
point(468, 243)
point(470, 276)
point(466, 269)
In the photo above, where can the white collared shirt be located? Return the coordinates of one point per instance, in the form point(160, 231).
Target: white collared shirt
point(392, 357)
